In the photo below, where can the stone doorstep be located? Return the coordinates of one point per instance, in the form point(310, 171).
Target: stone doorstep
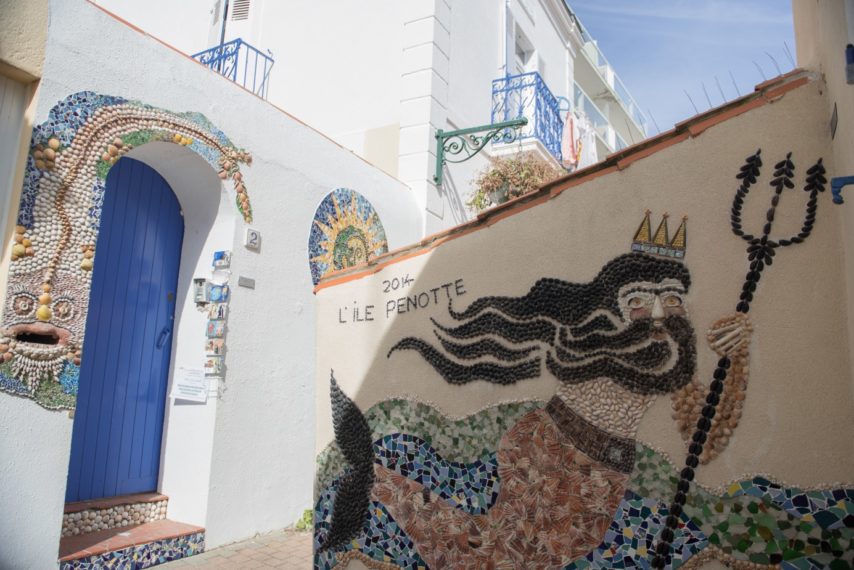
point(99, 504)
point(110, 540)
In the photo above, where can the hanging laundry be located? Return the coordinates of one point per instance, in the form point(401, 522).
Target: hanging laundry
point(587, 154)
point(570, 148)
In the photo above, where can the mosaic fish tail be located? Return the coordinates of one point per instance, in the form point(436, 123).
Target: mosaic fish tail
point(353, 436)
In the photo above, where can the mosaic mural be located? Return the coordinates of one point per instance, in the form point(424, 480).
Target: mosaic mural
point(53, 254)
point(346, 231)
point(751, 523)
point(564, 483)
point(143, 555)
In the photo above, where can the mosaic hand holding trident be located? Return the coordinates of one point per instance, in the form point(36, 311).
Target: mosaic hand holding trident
point(729, 336)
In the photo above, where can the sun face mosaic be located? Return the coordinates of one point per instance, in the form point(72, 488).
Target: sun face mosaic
point(54, 249)
point(346, 231)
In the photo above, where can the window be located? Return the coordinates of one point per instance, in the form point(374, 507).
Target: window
point(526, 59)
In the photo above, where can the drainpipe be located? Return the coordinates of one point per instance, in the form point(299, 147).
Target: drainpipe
point(507, 37)
point(222, 35)
point(849, 49)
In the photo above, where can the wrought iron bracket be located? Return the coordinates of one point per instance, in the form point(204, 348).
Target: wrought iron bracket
point(468, 143)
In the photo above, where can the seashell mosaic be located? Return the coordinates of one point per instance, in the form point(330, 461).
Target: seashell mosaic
point(54, 249)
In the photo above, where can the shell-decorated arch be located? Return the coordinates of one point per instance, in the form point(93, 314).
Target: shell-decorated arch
point(53, 253)
point(346, 231)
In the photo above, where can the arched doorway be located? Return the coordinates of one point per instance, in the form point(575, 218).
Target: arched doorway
point(118, 424)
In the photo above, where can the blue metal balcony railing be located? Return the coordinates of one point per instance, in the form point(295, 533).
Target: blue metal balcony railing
point(526, 95)
point(240, 62)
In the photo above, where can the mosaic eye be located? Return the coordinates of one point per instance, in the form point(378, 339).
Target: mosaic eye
point(671, 301)
point(63, 309)
point(23, 304)
point(636, 302)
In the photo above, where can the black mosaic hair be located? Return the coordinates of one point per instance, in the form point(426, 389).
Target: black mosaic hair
point(571, 303)
point(557, 314)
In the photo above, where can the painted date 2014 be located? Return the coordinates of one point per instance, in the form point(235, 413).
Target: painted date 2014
point(396, 283)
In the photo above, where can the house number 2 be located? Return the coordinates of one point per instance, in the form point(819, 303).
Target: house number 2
point(252, 239)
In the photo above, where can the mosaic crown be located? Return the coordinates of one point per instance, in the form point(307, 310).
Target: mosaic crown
point(659, 243)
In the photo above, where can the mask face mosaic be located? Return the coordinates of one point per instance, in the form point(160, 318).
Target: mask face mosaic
point(54, 250)
point(564, 483)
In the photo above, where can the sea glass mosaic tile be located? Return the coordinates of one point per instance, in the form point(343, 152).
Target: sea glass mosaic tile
point(463, 440)
point(472, 487)
point(381, 539)
point(631, 537)
point(143, 555)
point(754, 520)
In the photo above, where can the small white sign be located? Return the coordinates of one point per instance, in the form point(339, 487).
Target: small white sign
point(252, 240)
point(190, 384)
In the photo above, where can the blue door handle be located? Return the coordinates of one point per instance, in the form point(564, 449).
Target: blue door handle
point(164, 334)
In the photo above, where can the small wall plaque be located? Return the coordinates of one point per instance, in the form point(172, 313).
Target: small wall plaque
point(252, 239)
point(247, 282)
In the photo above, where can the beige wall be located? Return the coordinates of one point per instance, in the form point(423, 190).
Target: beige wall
point(797, 418)
point(821, 34)
point(15, 173)
point(23, 32)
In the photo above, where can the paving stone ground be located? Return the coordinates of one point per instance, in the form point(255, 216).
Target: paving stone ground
point(285, 550)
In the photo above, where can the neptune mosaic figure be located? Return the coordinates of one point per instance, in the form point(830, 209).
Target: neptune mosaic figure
point(614, 344)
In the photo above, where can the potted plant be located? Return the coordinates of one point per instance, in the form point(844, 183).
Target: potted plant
point(508, 177)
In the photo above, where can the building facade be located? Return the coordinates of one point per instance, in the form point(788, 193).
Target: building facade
point(394, 74)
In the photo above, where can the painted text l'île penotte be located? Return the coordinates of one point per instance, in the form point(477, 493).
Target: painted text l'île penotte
point(360, 313)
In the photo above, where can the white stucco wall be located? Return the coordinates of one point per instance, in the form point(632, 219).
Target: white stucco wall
point(185, 25)
point(337, 65)
point(242, 464)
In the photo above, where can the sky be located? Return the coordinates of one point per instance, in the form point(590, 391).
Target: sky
point(663, 48)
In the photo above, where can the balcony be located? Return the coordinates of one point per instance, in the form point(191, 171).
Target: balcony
point(526, 95)
point(241, 63)
point(598, 62)
point(607, 135)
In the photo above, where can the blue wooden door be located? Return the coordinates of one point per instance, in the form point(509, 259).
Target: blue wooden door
point(118, 423)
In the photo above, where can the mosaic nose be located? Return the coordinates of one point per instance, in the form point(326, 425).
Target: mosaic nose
point(657, 310)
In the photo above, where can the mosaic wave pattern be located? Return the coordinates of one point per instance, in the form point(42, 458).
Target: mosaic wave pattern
point(757, 520)
point(143, 555)
point(463, 440)
point(753, 521)
point(830, 509)
point(631, 537)
point(472, 487)
point(346, 231)
point(59, 214)
point(382, 539)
